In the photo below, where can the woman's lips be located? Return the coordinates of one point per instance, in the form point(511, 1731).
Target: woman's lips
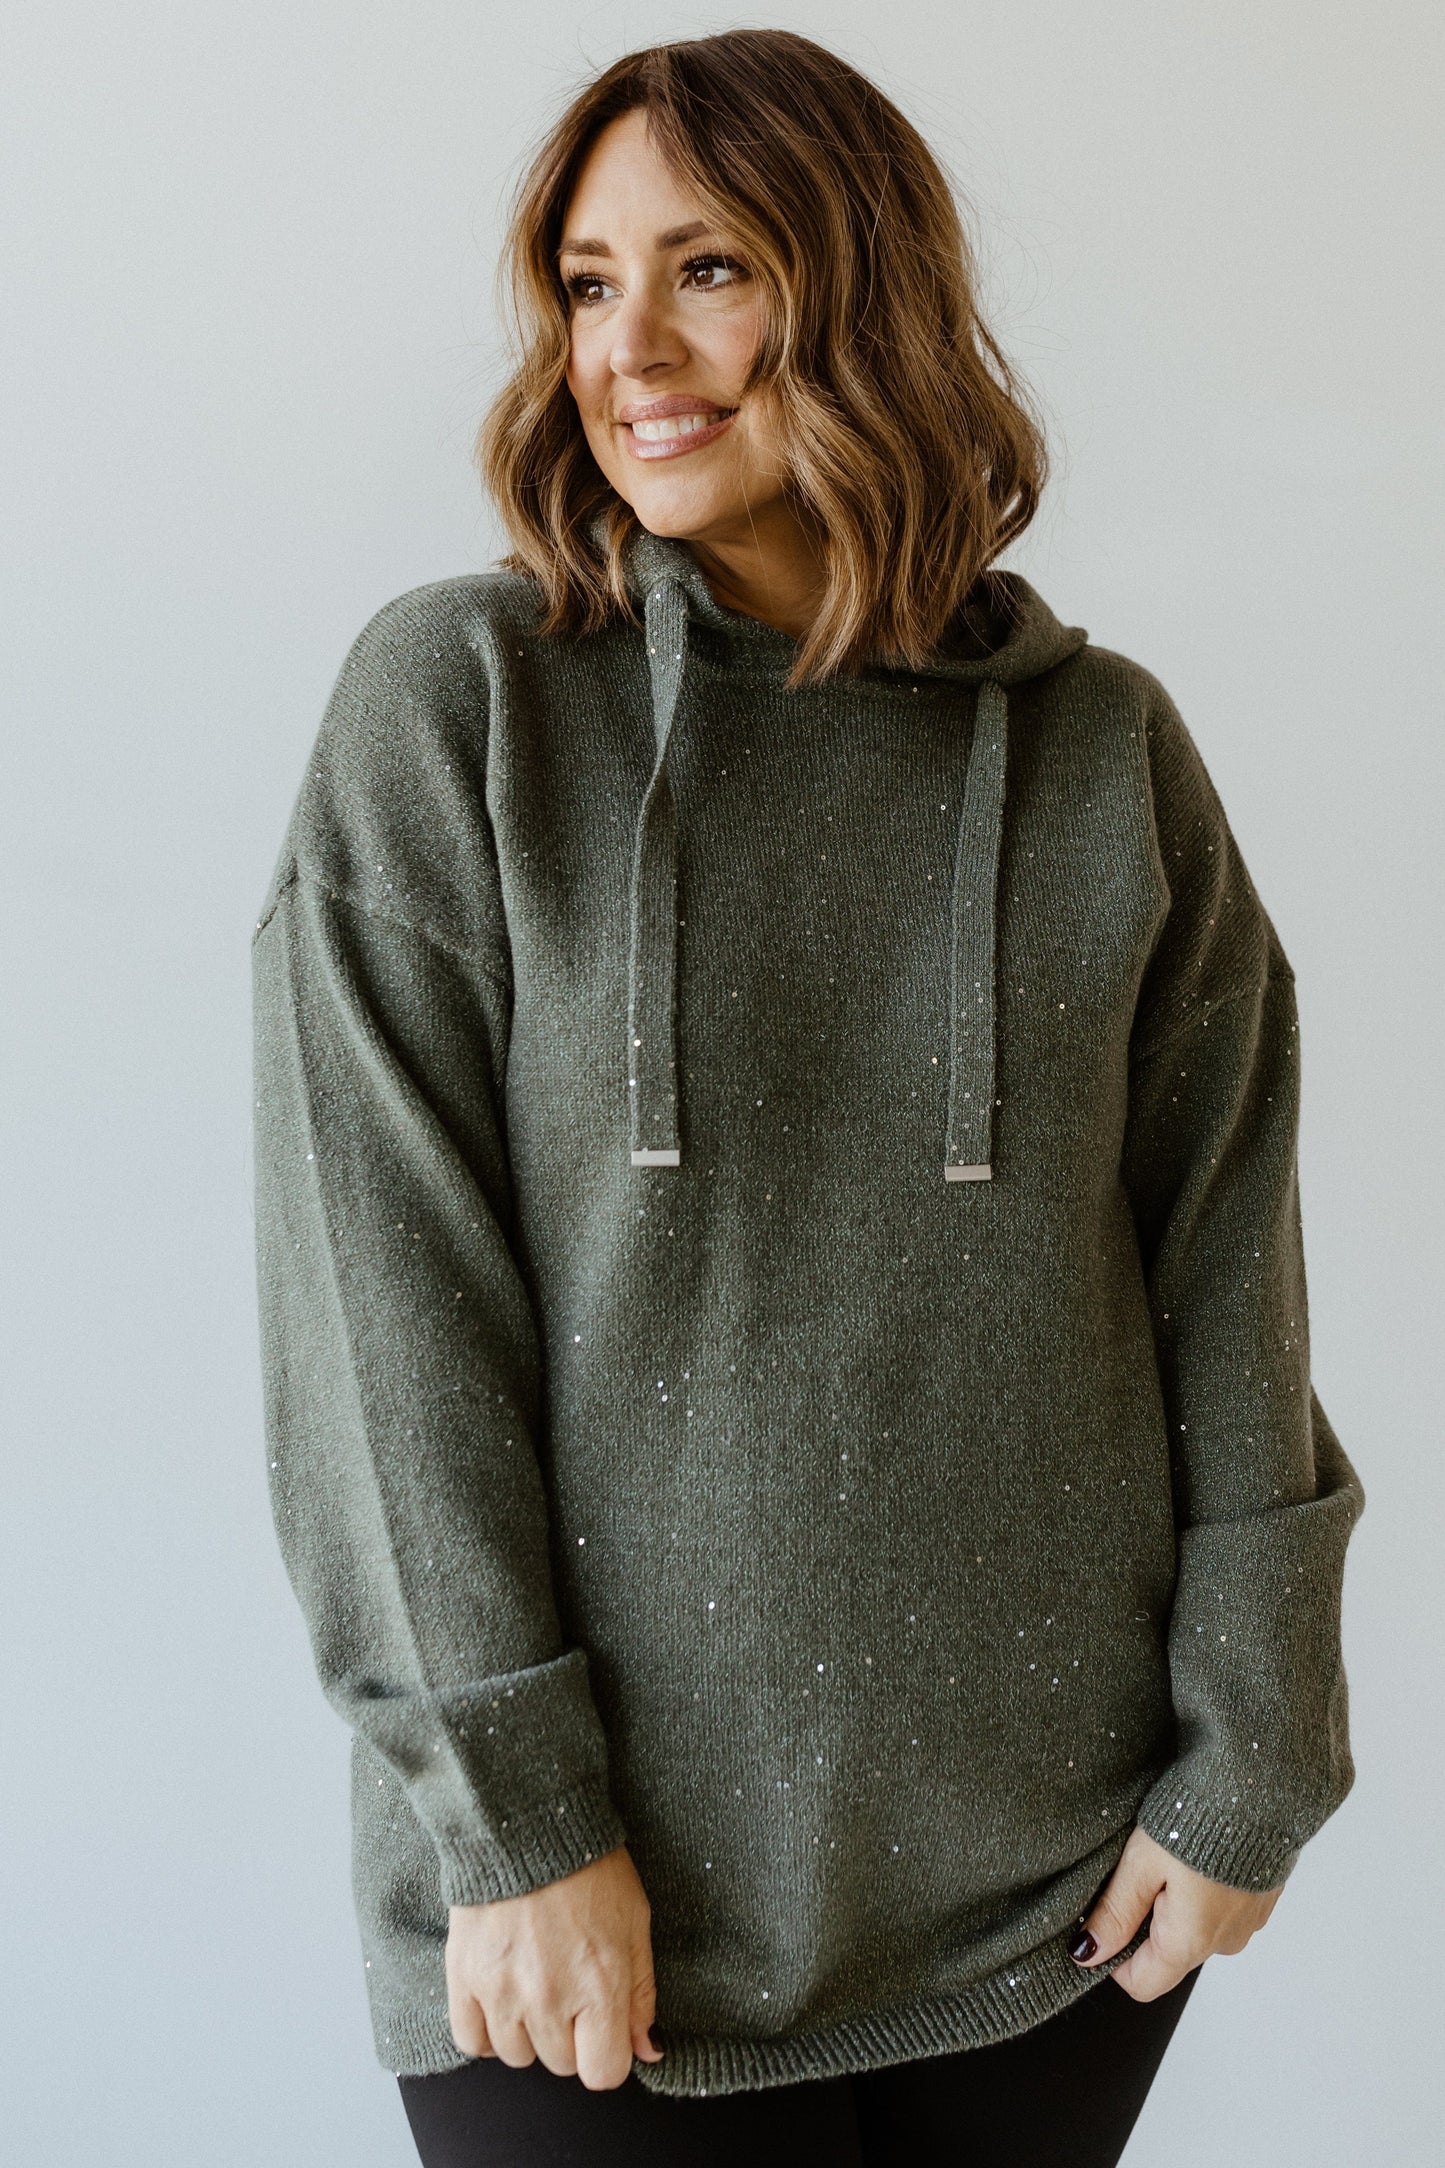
point(670, 435)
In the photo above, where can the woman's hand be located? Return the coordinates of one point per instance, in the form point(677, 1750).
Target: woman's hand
point(564, 1973)
point(1194, 1918)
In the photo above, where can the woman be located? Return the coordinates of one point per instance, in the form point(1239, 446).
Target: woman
point(831, 1650)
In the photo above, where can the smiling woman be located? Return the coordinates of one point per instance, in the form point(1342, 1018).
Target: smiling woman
point(665, 329)
point(737, 246)
point(782, 1281)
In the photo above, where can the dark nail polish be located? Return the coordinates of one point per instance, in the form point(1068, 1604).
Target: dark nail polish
point(1083, 1946)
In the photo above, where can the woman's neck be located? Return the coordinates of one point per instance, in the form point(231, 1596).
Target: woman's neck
point(772, 570)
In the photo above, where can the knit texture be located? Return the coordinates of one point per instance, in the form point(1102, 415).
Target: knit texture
point(783, 1311)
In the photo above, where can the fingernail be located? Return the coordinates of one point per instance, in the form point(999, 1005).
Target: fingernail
point(1083, 1946)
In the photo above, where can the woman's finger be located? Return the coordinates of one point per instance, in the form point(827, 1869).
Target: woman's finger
point(642, 2008)
point(512, 2042)
point(1153, 1969)
point(1121, 1907)
point(1181, 1935)
point(468, 2023)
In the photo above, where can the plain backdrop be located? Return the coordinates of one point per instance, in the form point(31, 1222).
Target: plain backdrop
point(248, 329)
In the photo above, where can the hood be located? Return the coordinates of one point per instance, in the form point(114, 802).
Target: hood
point(1007, 636)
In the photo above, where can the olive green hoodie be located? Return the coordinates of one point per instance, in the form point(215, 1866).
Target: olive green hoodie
point(783, 1309)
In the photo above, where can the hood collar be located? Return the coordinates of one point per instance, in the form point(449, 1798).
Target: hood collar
point(1007, 636)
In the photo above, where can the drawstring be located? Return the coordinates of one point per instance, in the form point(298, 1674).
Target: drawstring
point(652, 954)
point(971, 1005)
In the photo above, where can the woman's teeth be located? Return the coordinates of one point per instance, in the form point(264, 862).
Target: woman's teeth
point(674, 425)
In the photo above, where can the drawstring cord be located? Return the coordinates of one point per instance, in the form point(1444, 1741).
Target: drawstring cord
point(652, 951)
point(971, 999)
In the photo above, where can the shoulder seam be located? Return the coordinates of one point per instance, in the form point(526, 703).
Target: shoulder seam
point(454, 951)
point(1196, 1024)
point(266, 917)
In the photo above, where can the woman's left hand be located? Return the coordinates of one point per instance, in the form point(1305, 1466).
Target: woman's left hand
point(1194, 1918)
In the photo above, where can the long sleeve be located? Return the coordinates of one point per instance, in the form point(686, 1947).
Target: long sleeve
point(400, 1350)
point(1265, 1495)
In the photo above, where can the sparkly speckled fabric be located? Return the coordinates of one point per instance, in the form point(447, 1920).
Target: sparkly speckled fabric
point(783, 1311)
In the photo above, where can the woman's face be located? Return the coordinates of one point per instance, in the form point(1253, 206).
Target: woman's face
point(665, 322)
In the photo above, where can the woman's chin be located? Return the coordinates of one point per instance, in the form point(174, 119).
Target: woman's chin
point(693, 515)
point(677, 523)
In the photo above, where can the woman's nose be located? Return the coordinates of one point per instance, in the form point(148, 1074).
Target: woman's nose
point(644, 336)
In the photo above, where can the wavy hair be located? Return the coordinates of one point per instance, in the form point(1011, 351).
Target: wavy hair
point(912, 451)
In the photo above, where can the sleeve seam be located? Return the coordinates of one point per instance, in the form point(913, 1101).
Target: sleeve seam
point(454, 951)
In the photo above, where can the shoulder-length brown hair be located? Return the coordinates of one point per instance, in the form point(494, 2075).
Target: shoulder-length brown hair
point(913, 453)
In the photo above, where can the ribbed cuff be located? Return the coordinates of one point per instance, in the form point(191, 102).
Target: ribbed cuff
point(1247, 1855)
point(532, 1846)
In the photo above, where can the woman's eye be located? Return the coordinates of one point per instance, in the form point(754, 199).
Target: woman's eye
point(707, 270)
point(585, 287)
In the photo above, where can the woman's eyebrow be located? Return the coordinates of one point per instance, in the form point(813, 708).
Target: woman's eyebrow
point(675, 237)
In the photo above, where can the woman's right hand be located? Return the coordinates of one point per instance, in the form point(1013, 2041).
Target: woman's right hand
point(564, 1973)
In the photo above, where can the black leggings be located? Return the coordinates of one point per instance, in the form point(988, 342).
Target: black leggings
point(1068, 2091)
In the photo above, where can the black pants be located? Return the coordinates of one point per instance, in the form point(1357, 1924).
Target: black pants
point(1068, 2091)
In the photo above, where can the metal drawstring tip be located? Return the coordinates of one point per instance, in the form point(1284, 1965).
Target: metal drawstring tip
point(981, 1173)
point(647, 1157)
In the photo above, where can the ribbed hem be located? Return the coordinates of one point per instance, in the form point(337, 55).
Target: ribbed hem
point(414, 2043)
point(1247, 1855)
point(536, 1845)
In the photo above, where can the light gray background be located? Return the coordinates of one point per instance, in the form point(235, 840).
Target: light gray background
point(247, 333)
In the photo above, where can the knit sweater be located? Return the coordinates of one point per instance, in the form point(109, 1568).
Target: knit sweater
point(783, 1310)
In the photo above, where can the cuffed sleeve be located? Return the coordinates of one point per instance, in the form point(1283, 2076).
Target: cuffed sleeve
point(402, 1369)
point(1265, 1495)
